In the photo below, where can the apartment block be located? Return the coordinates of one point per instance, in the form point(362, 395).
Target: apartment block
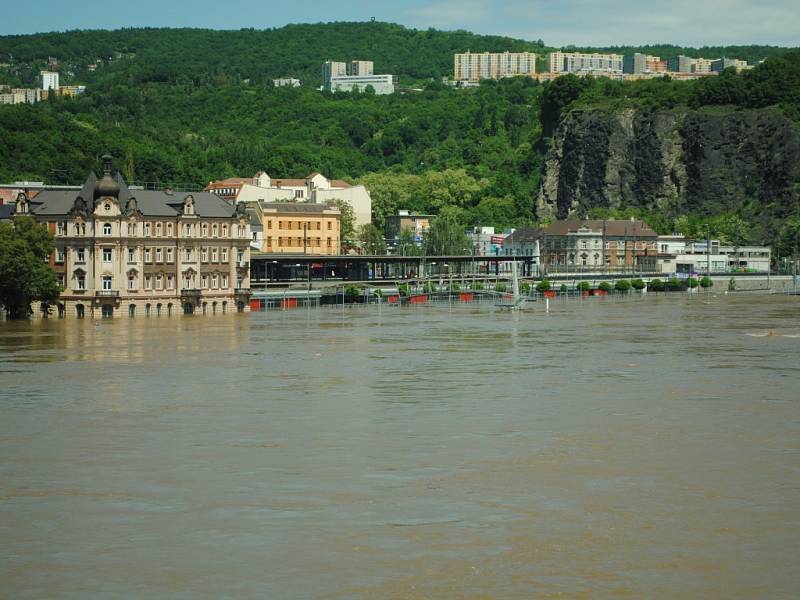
point(360, 67)
point(48, 80)
point(332, 69)
point(583, 63)
point(295, 228)
point(473, 67)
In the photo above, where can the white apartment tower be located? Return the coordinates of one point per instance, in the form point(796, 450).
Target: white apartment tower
point(48, 80)
point(473, 66)
point(360, 67)
point(332, 69)
point(579, 62)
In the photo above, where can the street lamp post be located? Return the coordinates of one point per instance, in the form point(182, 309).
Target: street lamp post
point(708, 250)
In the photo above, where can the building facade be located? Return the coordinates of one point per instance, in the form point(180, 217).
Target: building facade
point(330, 69)
point(473, 66)
point(583, 63)
point(360, 67)
point(417, 225)
point(295, 228)
point(315, 188)
point(48, 80)
point(286, 82)
point(123, 252)
point(382, 84)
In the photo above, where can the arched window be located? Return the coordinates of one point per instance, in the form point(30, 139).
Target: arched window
point(106, 228)
point(131, 310)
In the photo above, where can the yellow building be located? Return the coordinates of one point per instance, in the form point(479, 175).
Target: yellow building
point(300, 228)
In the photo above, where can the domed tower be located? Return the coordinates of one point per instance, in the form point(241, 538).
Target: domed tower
point(107, 186)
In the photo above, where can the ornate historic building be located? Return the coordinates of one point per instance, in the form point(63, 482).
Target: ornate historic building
point(124, 252)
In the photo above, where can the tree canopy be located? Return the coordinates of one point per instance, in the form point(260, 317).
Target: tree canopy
point(24, 274)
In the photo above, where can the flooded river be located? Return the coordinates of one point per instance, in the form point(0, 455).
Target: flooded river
point(641, 448)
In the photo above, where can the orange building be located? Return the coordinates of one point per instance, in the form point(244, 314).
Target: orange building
point(300, 228)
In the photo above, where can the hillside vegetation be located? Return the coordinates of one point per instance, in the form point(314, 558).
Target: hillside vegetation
point(187, 106)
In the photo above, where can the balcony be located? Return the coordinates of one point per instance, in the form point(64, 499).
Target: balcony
point(106, 293)
point(244, 292)
point(190, 293)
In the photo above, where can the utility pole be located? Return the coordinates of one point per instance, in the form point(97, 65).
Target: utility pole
point(708, 250)
point(305, 238)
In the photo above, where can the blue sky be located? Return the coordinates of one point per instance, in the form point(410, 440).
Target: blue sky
point(560, 22)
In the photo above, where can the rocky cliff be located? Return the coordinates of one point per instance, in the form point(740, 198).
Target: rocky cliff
point(680, 161)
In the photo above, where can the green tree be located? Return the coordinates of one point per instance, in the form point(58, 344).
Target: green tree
point(347, 222)
point(605, 286)
point(543, 286)
point(371, 239)
point(407, 245)
point(446, 237)
point(622, 285)
point(583, 286)
point(655, 285)
point(24, 274)
point(706, 282)
point(638, 284)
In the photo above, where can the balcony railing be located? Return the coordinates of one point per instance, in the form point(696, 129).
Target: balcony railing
point(107, 293)
point(190, 292)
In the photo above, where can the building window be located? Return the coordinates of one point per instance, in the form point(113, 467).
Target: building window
point(80, 255)
point(224, 282)
point(170, 282)
point(298, 193)
point(239, 256)
point(204, 282)
point(224, 255)
point(205, 229)
point(106, 282)
point(239, 282)
point(170, 255)
point(158, 229)
point(106, 228)
point(213, 281)
point(188, 255)
point(60, 228)
point(60, 255)
point(329, 225)
point(131, 255)
point(255, 236)
point(214, 230)
point(148, 282)
point(131, 229)
point(80, 281)
point(131, 281)
point(148, 229)
point(148, 255)
point(214, 255)
point(159, 255)
point(106, 254)
point(169, 229)
point(224, 230)
point(159, 282)
point(269, 224)
point(204, 255)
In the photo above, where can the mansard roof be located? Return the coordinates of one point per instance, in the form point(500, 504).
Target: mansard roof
point(151, 203)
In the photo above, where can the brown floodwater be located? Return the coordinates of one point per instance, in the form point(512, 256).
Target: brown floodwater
point(638, 448)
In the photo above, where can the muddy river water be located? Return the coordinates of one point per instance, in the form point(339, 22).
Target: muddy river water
point(638, 448)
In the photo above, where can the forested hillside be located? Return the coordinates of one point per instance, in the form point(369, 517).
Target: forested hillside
point(182, 107)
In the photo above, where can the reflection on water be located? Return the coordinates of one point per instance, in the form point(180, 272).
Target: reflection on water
point(644, 448)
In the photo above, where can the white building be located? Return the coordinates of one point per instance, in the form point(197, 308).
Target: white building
point(286, 82)
point(474, 66)
point(360, 67)
point(382, 84)
point(579, 62)
point(314, 188)
point(48, 80)
point(332, 69)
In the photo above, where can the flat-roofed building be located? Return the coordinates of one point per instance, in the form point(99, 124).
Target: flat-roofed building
point(474, 66)
point(360, 67)
point(584, 63)
point(298, 228)
point(404, 220)
point(331, 68)
point(382, 83)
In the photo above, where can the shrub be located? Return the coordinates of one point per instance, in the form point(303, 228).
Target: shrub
point(404, 289)
point(622, 285)
point(501, 287)
point(525, 287)
point(455, 287)
point(656, 285)
point(692, 282)
point(352, 291)
point(674, 285)
point(477, 286)
point(563, 288)
point(584, 286)
point(427, 288)
point(638, 284)
point(706, 282)
point(605, 286)
point(731, 284)
point(543, 286)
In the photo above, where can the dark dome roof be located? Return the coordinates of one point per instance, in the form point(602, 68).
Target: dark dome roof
point(106, 186)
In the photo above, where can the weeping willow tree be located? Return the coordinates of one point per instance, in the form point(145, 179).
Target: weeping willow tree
point(446, 237)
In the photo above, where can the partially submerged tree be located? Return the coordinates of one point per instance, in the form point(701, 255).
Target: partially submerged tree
point(25, 276)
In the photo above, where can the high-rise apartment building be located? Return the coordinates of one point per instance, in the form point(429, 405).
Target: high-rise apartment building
point(719, 65)
point(638, 63)
point(332, 69)
point(582, 63)
point(360, 67)
point(48, 80)
point(471, 66)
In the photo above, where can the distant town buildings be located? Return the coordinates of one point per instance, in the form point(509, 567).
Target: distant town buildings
point(315, 188)
point(416, 224)
point(485, 242)
point(638, 63)
point(474, 66)
point(355, 75)
point(286, 82)
point(129, 252)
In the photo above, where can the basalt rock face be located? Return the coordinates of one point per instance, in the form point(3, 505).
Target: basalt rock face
point(677, 160)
